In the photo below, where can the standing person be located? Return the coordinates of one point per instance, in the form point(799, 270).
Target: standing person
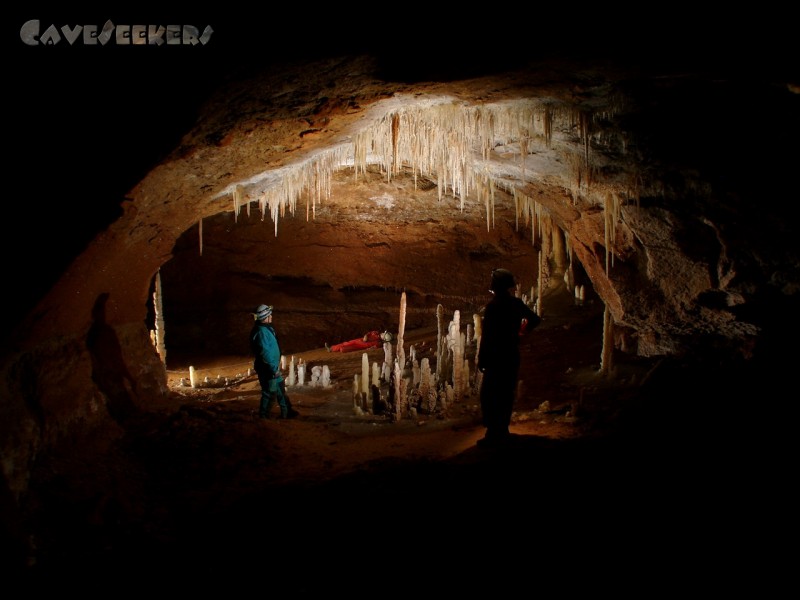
point(267, 364)
point(505, 319)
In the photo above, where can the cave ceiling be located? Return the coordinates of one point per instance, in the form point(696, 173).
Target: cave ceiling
point(637, 172)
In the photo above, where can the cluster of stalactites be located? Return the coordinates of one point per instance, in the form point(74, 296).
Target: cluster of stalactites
point(312, 180)
point(531, 213)
point(447, 142)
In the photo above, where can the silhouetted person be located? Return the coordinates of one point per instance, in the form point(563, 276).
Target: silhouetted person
point(505, 319)
point(267, 365)
point(109, 372)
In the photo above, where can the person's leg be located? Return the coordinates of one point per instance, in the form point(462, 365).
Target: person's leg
point(506, 392)
point(267, 401)
point(497, 400)
point(276, 392)
point(489, 403)
point(281, 404)
point(290, 412)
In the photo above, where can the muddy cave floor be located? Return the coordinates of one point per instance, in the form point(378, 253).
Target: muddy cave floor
point(202, 480)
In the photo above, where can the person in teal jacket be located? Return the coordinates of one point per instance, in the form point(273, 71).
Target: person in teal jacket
point(267, 364)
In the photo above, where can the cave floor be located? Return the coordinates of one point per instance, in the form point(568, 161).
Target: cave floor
point(201, 482)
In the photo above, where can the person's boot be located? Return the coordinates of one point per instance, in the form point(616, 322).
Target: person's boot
point(291, 413)
point(266, 410)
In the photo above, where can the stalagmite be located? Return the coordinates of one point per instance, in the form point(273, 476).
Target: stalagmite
point(540, 281)
point(161, 347)
point(316, 375)
point(425, 376)
point(608, 343)
point(398, 395)
point(301, 373)
point(388, 362)
point(326, 376)
point(291, 378)
point(559, 248)
point(376, 375)
point(365, 373)
point(401, 330)
point(192, 377)
point(439, 338)
point(478, 320)
point(457, 350)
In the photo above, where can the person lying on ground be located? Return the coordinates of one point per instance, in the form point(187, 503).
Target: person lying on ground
point(372, 339)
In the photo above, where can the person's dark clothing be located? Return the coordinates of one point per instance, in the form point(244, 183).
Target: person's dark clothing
point(505, 319)
point(267, 364)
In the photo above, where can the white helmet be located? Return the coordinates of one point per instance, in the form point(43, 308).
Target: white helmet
point(262, 312)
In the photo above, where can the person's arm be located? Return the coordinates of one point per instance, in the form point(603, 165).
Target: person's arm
point(273, 353)
point(530, 320)
point(268, 351)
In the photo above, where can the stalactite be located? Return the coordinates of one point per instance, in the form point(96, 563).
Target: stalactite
point(611, 216)
point(445, 140)
point(237, 201)
point(586, 138)
point(395, 158)
point(200, 235)
point(559, 248)
point(547, 123)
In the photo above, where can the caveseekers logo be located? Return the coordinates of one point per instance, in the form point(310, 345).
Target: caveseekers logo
point(122, 35)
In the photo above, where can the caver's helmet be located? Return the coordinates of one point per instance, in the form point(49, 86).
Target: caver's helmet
point(262, 312)
point(502, 280)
